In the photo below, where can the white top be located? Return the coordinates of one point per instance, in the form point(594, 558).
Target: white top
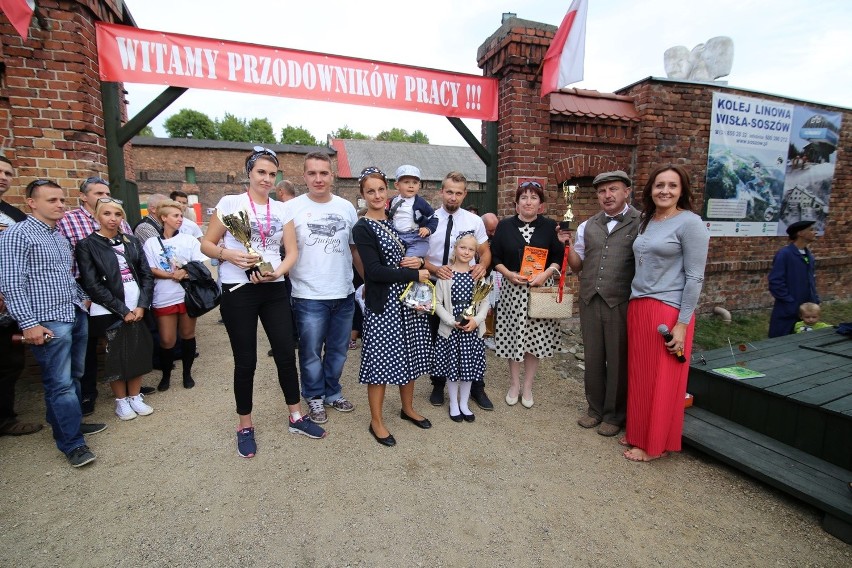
point(580, 238)
point(403, 217)
point(131, 287)
point(179, 250)
point(463, 222)
point(323, 233)
point(265, 237)
point(189, 227)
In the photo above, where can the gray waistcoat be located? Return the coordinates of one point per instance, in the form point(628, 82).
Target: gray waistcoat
point(608, 267)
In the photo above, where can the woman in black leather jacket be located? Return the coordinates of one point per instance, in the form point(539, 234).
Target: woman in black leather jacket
point(115, 274)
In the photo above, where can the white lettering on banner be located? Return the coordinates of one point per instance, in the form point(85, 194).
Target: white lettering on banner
point(190, 63)
point(143, 56)
point(444, 93)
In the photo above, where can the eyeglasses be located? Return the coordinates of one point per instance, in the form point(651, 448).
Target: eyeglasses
point(110, 200)
point(37, 183)
point(262, 150)
point(90, 180)
point(527, 184)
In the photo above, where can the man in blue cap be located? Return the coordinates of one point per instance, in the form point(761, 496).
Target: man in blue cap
point(791, 279)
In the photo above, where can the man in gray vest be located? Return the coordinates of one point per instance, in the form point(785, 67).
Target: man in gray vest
point(603, 257)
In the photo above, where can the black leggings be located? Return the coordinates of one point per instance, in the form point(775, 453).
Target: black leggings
point(240, 312)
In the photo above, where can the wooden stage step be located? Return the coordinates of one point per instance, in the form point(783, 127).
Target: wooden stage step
point(802, 475)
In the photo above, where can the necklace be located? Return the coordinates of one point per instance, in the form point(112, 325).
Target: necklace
point(657, 217)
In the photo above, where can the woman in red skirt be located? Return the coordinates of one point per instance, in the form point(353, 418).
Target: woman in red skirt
point(670, 253)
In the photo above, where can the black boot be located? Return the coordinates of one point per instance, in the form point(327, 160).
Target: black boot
point(188, 347)
point(166, 360)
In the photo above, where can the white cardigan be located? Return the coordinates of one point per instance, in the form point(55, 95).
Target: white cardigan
point(444, 310)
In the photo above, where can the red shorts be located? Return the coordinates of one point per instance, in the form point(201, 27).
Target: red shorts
point(170, 310)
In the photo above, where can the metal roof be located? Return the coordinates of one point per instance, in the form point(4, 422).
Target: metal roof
point(435, 162)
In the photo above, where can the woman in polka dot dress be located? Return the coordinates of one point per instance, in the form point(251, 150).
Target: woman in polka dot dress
point(396, 345)
point(459, 349)
point(520, 338)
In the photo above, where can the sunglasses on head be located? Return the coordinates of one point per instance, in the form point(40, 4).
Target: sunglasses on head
point(262, 150)
point(37, 183)
point(110, 200)
point(527, 184)
point(94, 179)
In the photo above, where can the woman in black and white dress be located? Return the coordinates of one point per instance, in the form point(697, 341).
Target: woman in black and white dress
point(520, 338)
point(397, 346)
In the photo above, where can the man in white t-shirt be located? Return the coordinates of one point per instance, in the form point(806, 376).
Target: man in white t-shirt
point(323, 297)
point(453, 221)
point(188, 227)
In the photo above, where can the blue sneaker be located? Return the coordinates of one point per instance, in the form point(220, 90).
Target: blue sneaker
point(246, 446)
point(306, 427)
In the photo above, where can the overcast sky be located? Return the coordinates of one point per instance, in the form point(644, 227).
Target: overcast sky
point(799, 49)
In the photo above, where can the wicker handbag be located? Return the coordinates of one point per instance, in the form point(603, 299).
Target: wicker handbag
point(551, 302)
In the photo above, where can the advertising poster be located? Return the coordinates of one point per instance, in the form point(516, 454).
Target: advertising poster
point(769, 164)
point(746, 163)
point(810, 167)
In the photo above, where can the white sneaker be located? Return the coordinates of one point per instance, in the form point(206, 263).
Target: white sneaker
point(138, 405)
point(123, 409)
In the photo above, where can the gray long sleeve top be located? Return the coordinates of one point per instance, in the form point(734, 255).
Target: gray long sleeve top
point(670, 258)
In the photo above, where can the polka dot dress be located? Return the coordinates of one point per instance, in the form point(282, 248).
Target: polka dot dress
point(397, 343)
point(461, 356)
point(514, 332)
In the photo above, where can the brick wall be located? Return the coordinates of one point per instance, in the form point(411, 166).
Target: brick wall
point(51, 119)
point(673, 128)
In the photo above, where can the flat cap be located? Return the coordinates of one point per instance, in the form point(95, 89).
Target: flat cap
point(798, 226)
point(617, 175)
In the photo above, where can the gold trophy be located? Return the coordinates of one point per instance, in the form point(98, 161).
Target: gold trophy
point(480, 292)
point(568, 219)
point(240, 227)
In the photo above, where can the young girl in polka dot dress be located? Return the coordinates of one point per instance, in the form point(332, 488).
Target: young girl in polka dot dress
point(459, 348)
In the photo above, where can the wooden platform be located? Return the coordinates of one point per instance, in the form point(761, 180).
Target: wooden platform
point(791, 428)
point(805, 399)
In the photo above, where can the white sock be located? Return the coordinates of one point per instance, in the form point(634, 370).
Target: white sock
point(464, 396)
point(453, 391)
point(295, 416)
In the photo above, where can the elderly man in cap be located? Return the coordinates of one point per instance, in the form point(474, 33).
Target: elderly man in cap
point(603, 256)
point(791, 279)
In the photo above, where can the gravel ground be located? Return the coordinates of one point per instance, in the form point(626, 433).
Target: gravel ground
point(517, 487)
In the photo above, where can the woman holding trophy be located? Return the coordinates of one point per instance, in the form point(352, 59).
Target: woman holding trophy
point(397, 346)
point(517, 240)
point(252, 228)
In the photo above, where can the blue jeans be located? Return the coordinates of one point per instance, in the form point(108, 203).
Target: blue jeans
point(323, 323)
point(62, 361)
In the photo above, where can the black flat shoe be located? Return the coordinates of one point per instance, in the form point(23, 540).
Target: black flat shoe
point(425, 424)
point(456, 418)
point(468, 417)
point(388, 441)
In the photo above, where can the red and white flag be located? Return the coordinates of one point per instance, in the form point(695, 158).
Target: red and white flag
point(563, 62)
point(20, 14)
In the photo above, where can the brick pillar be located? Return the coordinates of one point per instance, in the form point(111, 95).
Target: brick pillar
point(51, 118)
point(512, 55)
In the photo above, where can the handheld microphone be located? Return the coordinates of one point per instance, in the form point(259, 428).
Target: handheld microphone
point(667, 336)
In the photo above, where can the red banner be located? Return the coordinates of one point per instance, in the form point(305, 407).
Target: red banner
point(128, 54)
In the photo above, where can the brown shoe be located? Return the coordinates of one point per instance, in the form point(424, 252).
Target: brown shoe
point(15, 428)
point(588, 421)
point(608, 429)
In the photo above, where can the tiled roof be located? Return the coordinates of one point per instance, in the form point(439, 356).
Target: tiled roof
point(435, 162)
point(225, 145)
point(593, 104)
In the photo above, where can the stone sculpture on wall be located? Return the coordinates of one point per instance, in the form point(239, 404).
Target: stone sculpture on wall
point(706, 62)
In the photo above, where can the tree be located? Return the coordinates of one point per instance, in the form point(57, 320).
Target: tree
point(402, 135)
point(232, 128)
point(346, 133)
point(260, 130)
point(188, 123)
point(146, 131)
point(297, 135)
